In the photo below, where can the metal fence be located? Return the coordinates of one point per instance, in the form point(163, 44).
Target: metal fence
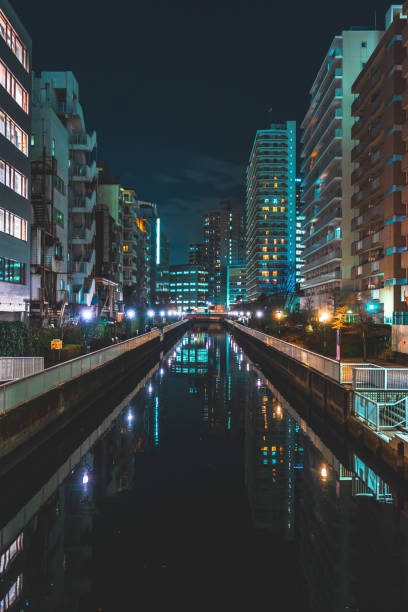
point(347, 369)
point(380, 378)
point(324, 365)
point(13, 394)
point(168, 328)
point(12, 368)
point(381, 415)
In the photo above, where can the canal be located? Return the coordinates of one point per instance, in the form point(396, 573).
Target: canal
point(203, 486)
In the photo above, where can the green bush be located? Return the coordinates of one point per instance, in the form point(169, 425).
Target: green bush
point(13, 339)
point(70, 351)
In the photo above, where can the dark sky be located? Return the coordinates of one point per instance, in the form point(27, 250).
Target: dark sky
point(176, 89)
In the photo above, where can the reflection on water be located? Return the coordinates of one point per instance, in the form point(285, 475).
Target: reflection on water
point(206, 470)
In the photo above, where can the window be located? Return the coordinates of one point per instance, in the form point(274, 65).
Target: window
point(264, 249)
point(16, 91)
point(13, 40)
point(275, 209)
point(10, 177)
point(364, 44)
point(13, 225)
point(275, 273)
point(58, 217)
point(126, 248)
point(12, 271)
point(265, 207)
point(53, 147)
point(32, 140)
point(265, 257)
point(283, 209)
point(265, 273)
point(13, 132)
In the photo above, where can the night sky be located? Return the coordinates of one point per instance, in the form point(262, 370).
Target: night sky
point(177, 89)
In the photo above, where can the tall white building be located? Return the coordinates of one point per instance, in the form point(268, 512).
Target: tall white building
point(326, 169)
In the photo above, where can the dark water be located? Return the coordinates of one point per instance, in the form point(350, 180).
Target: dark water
point(204, 488)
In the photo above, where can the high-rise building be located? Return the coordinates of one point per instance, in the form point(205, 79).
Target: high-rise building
point(188, 286)
point(326, 169)
point(196, 253)
point(236, 285)
point(136, 250)
point(378, 180)
point(148, 212)
point(222, 240)
point(299, 232)
point(60, 91)
point(15, 104)
point(271, 212)
point(163, 271)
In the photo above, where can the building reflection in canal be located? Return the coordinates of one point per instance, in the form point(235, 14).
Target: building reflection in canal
point(344, 525)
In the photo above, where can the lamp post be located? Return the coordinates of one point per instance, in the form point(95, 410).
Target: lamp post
point(87, 316)
point(278, 316)
point(323, 318)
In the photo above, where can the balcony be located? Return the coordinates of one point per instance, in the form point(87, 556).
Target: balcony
point(334, 255)
point(83, 235)
point(369, 268)
point(83, 142)
point(82, 204)
point(333, 218)
point(323, 279)
point(84, 173)
point(331, 237)
point(374, 241)
point(83, 267)
point(369, 216)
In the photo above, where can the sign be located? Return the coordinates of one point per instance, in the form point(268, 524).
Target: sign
point(56, 344)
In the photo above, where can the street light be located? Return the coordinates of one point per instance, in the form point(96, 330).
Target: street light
point(278, 316)
point(87, 314)
point(323, 473)
point(259, 314)
point(150, 313)
point(131, 313)
point(323, 318)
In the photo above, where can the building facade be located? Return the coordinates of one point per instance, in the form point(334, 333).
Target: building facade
point(136, 250)
point(299, 233)
point(236, 285)
point(15, 110)
point(378, 180)
point(188, 286)
point(163, 271)
point(271, 212)
point(196, 253)
point(326, 170)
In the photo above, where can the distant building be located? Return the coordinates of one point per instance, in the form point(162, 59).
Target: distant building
point(222, 247)
point(163, 271)
point(196, 253)
point(148, 212)
point(188, 286)
point(299, 232)
point(326, 169)
point(136, 251)
point(236, 283)
point(271, 212)
point(15, 128)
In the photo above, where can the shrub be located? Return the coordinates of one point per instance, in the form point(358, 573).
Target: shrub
point(70, 351)
point(13, 338)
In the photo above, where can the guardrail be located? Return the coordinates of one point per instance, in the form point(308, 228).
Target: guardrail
point(168, 328)
point(380, 378)
point(12, 368)
point(381, 415)
point(324, 365)
point(13, 394)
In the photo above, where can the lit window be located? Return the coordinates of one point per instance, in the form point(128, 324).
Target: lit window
point(275, 257)
point(264, 273)
point(265, 257)
point(264, 249)
point(125, 247)
point(283, 209)
point(275, 273)
point(267, 233)
point(275, 209)
point(265, 207)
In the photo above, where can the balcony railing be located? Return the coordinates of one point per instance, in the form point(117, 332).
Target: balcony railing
point(333, 255)
point(322, 279)
point(83, 142)
point(369, 242)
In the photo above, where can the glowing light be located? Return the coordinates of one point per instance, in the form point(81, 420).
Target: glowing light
point(150, 313)
point(323, 472)
point(129, 416)
point(131, 313)
point(324, 317)
point(259, 314)
point(150, 389)
point(87, 314)
point(161, 371)
point(162, 313)
point(248, 314)
point(279, 314)
point(85, 478)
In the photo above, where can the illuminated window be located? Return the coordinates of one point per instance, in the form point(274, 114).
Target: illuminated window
point(265, 207)
point(275, 257)
point(10, 177)
point(16, 91)
point(125, 247)
point(267, 233)
point(265, 273)
point(275, 241)
point(275, 209)
point(275, 184)
point(13, 225)
point(282, 241)
point(264, 249)
point(13, 40)
point(283, 209)
point(13, 132)
point(265, 185)
point(275, 273)
point(282, 200)
point(265, 257)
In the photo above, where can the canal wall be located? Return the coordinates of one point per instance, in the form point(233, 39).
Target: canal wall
point(328, 400)
point(29, 421)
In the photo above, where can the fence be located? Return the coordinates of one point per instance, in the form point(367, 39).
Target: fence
point(324, 365)
point(347, 369)
point(13, 394)
point(168, 328)
point(380, 378)
point(12, 368)
point(381, 415)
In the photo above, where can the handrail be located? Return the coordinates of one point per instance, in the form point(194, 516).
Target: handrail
point(14, 393)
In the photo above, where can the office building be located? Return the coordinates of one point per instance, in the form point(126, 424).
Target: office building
point(378, 180)
point(196, 253)
point(163, 271)
point(222, 247)
point(271, 212)
point(188, 286)
point(15, 105)
point(236, 285)
point(299, 232)
point(326, 168)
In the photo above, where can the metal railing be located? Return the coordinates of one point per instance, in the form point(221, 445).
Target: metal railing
point(12, 368)
point(375, 377)
point(168, 328)
point(347, 369)
point(13, 394)
point(381, 415)
point(325, 365)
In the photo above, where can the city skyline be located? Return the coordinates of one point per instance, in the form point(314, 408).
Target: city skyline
point(179, 143)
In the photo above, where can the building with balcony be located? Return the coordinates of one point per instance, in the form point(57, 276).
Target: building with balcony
point(49, 212)
point(188, 286)
point(378, 180)
point(196, 253)
point(109, 244)
point(136, 252)
point(222, 247)
point(152, 222)
point(326, 170)
point(60, 91)
point(271, 212)
point(300, 247)
point(15, 127)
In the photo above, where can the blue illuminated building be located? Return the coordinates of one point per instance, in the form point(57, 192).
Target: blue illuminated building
point(271, 212)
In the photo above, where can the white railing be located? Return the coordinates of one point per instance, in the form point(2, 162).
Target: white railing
point(380, 378)
point(13, 394)
point(381, 415)
point(12, 368)
point(325, 365)
point(347, 369)
point(168, 328)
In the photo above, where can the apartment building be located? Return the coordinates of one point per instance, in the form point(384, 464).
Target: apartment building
point(15, 110)
point(326, 169)
point(378, 180)
point(136, 250)
point(271, 212)
point(299, 232)
point(236, 285)
point(188, 286)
